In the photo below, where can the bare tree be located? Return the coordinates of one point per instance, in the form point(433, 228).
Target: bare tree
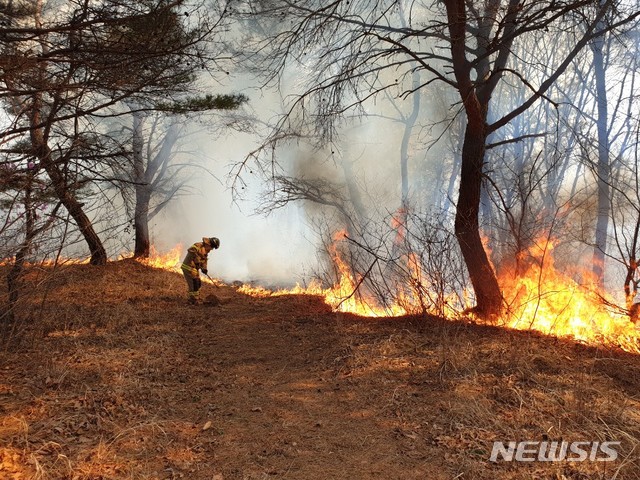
point(351, 47)
point(155, 173)
point(26, 201)
point(603, 169)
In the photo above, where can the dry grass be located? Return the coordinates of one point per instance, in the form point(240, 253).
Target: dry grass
point(117, 378)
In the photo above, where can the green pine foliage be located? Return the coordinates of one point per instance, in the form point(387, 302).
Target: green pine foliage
point(202, 104)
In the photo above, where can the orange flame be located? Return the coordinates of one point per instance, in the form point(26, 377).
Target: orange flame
point(166, 261)
point(398, 224)
point(549, 301)
point(541, 299)
point(8, 261)
point(344, 296)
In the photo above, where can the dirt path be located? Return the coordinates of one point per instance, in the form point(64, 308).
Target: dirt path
point(275, 380)
point(134, 384)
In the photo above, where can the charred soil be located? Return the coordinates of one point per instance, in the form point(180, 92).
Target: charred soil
point(114, 376)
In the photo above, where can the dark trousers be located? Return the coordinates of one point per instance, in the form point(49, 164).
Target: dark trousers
point(194, 284)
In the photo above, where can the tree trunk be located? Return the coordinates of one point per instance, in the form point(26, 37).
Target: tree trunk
point(13, 288)
point(142, 247)
point(603, 167)
point(74, 207)
point(14, 276)
point(467, 229)
point(476, 106)
point(409, 123)
point(15, 272)
point(64, 194)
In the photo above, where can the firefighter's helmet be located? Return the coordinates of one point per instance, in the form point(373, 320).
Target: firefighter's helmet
point(213, 242)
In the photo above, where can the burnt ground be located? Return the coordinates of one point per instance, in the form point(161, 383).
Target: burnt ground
point(113, 376)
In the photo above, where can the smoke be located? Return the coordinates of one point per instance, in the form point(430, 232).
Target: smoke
point(363, 164)
point(268, 250)
point(283, 246)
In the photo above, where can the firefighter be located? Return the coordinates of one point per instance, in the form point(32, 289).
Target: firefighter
point(195, 260)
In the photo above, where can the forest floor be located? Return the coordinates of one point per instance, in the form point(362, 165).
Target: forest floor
point(116, 377)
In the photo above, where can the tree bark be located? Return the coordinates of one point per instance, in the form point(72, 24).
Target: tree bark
point(15, 272)
point(476, 105)
point(467, 228)
point(603, 166)
point(409, 124)
point(63, 192)
point(142, 247)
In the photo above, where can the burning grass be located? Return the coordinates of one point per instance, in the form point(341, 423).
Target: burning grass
point(542, 299)
point(119, 378)
point(548, 300)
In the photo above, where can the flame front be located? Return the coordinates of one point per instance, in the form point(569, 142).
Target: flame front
point(541, 298)
point(166, 261)
point(549, 301)
point(344, 296)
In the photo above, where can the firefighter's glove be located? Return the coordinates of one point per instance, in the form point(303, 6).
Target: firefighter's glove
point(204, 270)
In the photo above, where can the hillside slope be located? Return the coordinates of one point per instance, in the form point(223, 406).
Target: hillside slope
point(120, 379)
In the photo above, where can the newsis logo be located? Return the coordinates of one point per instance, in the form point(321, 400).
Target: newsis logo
point(547, 451)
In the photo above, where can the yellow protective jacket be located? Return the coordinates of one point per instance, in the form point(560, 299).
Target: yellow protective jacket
point(195, 260)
